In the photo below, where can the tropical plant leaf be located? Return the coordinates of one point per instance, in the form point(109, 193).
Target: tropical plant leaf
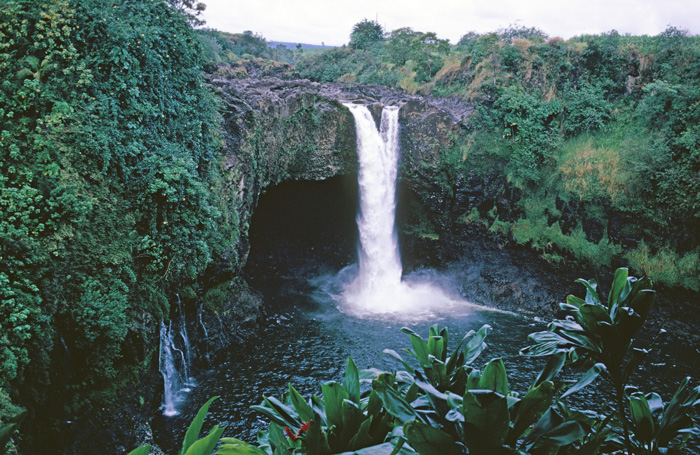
point(300, 405)
point(618, 285)
point(333, 396)
point(535, 402)
point(352, 381)
point(476, 345)
point(551, 368)
point(562, 435)
point(393, 402)
point(196, 426)
point(591, 291)
point(486, 420)
point(205, 446)
point(428, 440)
point(288, 414)
point(494, 377)
point(642, 420)
point(232, 446)
point(585, 380)
point(143, 450)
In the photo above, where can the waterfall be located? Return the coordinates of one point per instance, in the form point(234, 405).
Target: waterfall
point(167, 367)
point(378, 155)
point(187, 353)
point(174, 362)
point(377, 286)
point(200, 310)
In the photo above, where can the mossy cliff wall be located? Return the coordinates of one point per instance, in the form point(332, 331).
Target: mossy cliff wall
point(275, 130)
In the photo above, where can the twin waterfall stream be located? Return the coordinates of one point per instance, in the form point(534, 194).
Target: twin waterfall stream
point(377, 288)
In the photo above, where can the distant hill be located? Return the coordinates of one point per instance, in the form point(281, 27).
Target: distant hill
point(289, 45)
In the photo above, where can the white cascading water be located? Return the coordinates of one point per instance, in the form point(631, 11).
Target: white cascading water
point(378, 152)
point(187, 352)
point(167, 367)
point(174, 363)
point(378, 288)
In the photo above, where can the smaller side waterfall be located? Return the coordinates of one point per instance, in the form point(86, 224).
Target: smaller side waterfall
point(200, 311)
point(187, 351)
point(174, 363)
point(167, 367)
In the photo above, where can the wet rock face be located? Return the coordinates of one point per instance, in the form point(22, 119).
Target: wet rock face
point(279, 130)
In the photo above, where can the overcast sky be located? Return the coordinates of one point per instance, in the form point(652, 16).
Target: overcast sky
point(330, 22)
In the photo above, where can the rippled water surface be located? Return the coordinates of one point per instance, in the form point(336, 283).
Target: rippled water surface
point(307, 341)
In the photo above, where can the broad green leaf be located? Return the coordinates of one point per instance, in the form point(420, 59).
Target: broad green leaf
point(143, 450)
point(618, 285)
point(433, 331)
point(277, 438)
point(581, 340)
point(677, 415)
point(643, 302)
point(452, 361)
point(531, 407)
point(542, 349)
point(362, 437)
point(270, 413)
point(394, 403)
point(567, 324)
point(286, 413)
point(592, 314)
point(319, 408)
point(428, 440)
point(473, 379)
point(316, 439)
point(476, 344)
point(591, 291)
point(386, 448)
point(420, 348)
point(436, 347)
point(410, 332)
point(352, 381)
point(333, 396)
point(656, 404)
point(643, 422)
point(486, 420)
point(573, 303)
point(587, 378)
point(232, 446)
point(494, 377)
point(352, 420)
point(196, 426)
point(562, 435)
point(300, 405)
point(206, 445)
point(551, 369)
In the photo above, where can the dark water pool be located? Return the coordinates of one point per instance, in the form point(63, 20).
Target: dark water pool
point(307, 341)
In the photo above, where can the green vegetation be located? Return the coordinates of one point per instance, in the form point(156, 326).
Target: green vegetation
point(447, 405)
point(110, 193)
point(599, 133)
point(115, 197)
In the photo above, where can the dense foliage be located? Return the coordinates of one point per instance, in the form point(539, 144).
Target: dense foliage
point(444, 404)
point(113, 195)
point(108, 194)
point(591, 146)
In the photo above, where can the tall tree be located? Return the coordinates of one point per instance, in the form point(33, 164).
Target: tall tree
point(365, 33)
